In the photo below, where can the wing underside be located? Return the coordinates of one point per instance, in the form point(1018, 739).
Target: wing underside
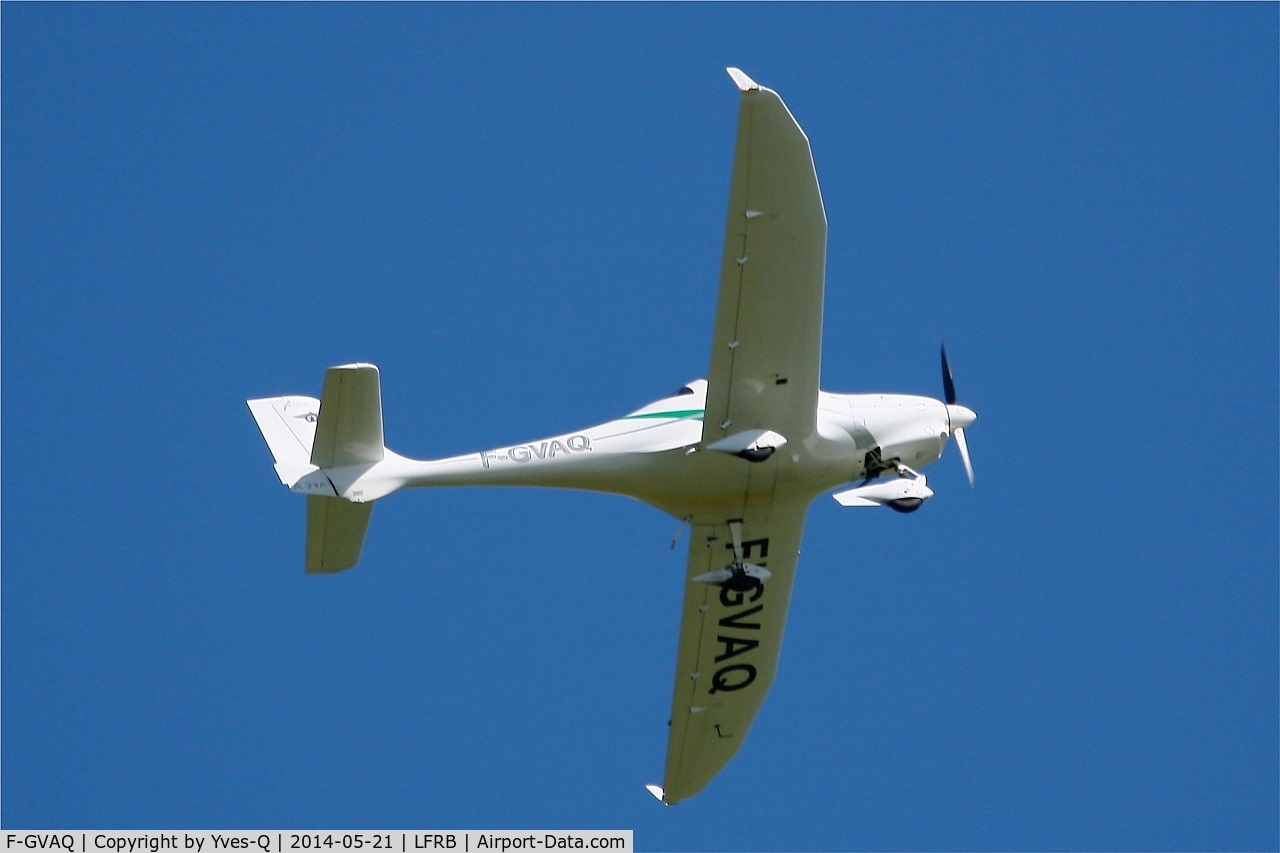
point(729, 640)
point(767, 342)
point(766, 347)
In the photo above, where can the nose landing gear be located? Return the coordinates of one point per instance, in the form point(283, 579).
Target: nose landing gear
point(905, 494)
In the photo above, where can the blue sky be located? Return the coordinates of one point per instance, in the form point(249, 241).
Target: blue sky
point(517, 212)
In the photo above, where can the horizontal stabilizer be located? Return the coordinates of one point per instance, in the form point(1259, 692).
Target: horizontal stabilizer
point(349, 428)
point(335, 533)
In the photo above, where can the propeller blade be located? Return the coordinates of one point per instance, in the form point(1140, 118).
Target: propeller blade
point(948, 385)
point(958, 417)
point(963, 447)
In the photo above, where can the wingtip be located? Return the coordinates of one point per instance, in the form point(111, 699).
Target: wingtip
point(741, 80)
point(658, 793)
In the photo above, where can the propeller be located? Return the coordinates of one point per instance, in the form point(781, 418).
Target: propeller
point(958, 417)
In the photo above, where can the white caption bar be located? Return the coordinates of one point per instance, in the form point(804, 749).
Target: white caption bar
point(317, 841)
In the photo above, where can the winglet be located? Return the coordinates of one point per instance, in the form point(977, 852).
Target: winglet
point(657, 792)
point(742, 81)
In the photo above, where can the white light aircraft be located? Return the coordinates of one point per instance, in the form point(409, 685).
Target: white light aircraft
point(737, 457)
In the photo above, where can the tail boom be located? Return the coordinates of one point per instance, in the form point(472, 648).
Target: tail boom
point(332, 450)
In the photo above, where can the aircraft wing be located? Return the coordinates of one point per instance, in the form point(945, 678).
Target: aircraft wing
point(729, 642)
point(767, 342)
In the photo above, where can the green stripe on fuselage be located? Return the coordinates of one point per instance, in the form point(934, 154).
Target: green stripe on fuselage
point(681, 413)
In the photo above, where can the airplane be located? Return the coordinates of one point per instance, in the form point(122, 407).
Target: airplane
point(737, 457)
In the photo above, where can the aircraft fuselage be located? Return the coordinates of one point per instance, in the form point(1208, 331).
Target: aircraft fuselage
point(656, 454)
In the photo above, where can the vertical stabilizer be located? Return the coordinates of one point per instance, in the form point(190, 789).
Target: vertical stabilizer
point(289, 426)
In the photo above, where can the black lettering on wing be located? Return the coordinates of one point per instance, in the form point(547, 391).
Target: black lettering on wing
point(734, 646)
point(731, 621)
